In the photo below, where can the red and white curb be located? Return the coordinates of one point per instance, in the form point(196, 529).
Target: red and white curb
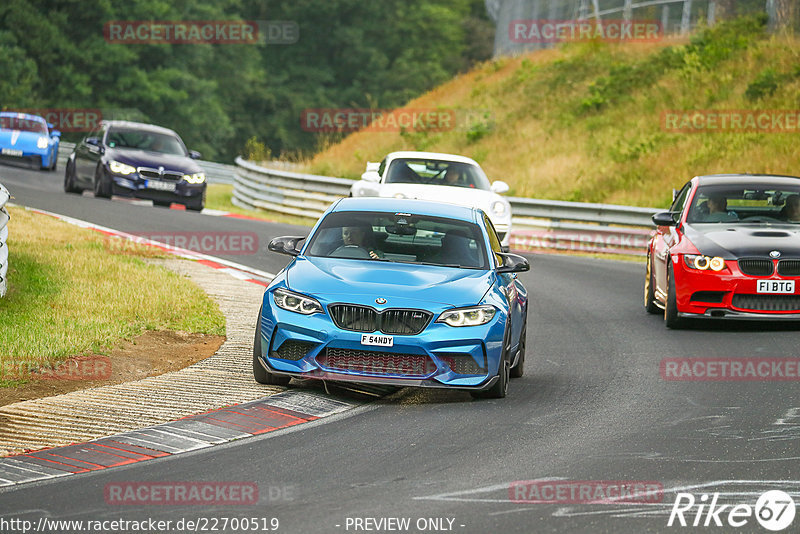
point(237, 270)
point(216, 427)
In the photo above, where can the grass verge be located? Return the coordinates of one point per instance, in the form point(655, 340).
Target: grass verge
point(70, 293)
point(218, 197)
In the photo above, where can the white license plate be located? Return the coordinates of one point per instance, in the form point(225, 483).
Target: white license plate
point(160, 186)
point(775, 286)
point(377, 340)
point(11, 152)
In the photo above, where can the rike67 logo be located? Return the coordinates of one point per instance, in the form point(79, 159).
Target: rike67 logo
point(774, 510)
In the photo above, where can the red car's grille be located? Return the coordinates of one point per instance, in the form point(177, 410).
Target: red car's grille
point(775, 303)
point(789, 267)
point(756, 266)
point(377, 363)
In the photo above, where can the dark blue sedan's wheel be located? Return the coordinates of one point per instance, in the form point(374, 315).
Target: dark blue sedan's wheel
point(102, 187)
point(69, 179)
point(261, 375)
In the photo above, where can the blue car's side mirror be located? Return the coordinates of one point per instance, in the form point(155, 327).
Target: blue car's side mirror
point(513, 263)
point(55, 133)
point(285, 245)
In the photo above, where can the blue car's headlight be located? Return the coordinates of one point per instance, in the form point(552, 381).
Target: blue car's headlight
point(41, 142)
point(121, 168)
point(295, 302)
point(196, 178)
point(472, 316)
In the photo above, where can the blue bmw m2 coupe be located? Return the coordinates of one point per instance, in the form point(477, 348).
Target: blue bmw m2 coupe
point(399, 292)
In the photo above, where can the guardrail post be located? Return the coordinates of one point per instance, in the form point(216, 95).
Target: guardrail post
point(686, 18)
point(4, 197)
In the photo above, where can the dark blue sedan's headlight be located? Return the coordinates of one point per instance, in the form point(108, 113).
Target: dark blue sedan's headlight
point(118, 167)
point(472, 316)
point(295, 302)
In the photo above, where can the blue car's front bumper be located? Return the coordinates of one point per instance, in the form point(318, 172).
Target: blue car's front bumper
point(312, 346)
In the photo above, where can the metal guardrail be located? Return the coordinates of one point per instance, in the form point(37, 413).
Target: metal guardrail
point(4, 196)
point(216, 173)
point(538, 224)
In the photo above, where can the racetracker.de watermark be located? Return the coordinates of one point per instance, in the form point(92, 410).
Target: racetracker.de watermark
point(69, 119)
point(563, 31)
point(379, 120)
point(76, 368)
point(271, 32)
point(731, 121)
point(585, 491)
point(181, 493)
point(730, 369)
point(212, 243)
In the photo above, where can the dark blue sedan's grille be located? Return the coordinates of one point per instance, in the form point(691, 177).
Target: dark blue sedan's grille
point(146, 172)
point(366, 319)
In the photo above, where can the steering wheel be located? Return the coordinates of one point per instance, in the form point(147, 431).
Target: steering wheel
point(350, 251)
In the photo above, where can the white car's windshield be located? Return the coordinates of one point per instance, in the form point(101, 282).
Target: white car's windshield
point(746, 205)
point(436, 172)
point(401, 238)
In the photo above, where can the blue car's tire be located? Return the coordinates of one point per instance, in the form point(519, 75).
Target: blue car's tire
point(261, 375)
point(500, 388)
point(518, 370)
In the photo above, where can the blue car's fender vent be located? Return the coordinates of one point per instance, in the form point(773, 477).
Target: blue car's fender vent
point(407, 322)
point(292, 350)
point(377, 363)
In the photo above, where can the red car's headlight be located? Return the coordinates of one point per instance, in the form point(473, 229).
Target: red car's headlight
point(703, 263)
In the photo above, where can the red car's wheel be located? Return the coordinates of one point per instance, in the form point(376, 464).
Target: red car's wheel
point(671, 318)
point(649, 289)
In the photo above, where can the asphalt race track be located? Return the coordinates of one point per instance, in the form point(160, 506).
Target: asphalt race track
point(592, 406)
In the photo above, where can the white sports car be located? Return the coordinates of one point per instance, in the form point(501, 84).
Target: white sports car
point(440, 177)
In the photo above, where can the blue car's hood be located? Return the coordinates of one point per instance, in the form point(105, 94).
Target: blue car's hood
point(401, 284)
point(20, 139)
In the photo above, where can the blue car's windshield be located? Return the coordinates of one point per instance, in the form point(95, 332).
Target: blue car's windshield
point(145, 140)
point(399, 237)
point(745, 205)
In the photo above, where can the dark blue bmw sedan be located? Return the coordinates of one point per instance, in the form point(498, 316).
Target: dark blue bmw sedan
point(138, 160)
point(395, 291)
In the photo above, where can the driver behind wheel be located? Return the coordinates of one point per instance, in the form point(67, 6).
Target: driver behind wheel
point(361, 236)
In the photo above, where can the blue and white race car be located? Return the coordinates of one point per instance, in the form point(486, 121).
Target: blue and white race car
point(25, 137)
point(400, 292)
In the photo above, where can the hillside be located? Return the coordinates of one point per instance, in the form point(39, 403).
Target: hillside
point(584, 122)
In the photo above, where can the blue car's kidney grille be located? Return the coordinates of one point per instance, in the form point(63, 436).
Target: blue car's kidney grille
point(784, 303)
point(756, 266)
point(377, 363)
point(789, 267)
point(366, 319)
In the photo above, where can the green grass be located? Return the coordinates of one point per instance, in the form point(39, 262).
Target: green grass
point(70, 294)
point(584, 122)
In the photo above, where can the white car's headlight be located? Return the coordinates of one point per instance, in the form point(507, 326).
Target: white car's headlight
point(196, 178)
point(121, 168)
point(498, 207)
point(399, 195)
point(295, 302)
point(472, 316)
point(42, 142)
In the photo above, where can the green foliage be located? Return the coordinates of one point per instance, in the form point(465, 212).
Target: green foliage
point(255, 150)
point(480, 127)
point(350, 54)
point(765, 84)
